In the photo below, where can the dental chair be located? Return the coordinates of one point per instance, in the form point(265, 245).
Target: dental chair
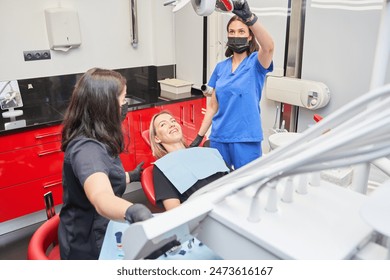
point(147, 175)
point(43, 244)
point(147, 184)
point(145, 136)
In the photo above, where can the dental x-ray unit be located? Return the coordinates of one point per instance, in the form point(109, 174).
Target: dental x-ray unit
point(205, 7)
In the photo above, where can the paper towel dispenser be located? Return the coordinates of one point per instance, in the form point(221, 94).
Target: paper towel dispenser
point(63, 28)
point(304, 93)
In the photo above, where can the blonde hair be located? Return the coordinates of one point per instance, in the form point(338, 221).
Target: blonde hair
point(158, 149)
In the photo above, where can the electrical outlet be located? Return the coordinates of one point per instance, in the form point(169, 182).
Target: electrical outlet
point(36, 55)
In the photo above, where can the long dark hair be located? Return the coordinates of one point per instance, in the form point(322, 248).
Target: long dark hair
point(94, 110)
point(253, 46)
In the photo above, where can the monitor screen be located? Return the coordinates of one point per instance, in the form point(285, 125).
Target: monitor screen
point(10, 96)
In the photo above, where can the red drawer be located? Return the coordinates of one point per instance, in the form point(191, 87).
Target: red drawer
point(23, 199)
point(24, 165)
point(30, 138)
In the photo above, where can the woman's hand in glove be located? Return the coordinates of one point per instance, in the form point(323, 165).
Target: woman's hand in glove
point(197, 141)
point(243, 11)
point(137, 213)
point(135, 175)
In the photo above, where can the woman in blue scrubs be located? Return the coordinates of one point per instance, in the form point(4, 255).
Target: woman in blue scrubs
point(234, 108)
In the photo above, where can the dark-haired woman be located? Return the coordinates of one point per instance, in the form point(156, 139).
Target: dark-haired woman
point(234, 110)
point(93, 176)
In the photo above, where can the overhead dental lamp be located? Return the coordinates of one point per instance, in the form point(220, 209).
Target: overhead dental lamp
point(205, 7)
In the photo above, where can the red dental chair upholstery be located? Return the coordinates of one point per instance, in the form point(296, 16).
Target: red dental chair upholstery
point(147, 184)
point(44, 242)
point(145, 136)
point(147, 175)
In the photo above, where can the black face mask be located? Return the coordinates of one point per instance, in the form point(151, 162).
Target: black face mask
point(238, 44)
point(124, 109)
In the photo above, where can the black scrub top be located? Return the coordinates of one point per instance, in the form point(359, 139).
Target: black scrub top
point(82, 229)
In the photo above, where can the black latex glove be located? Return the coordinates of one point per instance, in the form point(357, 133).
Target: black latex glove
point(135, 175)
point(243, 11)
point(197, 141)
point(137, 213)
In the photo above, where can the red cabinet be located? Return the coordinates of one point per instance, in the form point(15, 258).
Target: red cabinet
point(30, 138)
point(128, 155)
point(30, 165)
point(22, 199)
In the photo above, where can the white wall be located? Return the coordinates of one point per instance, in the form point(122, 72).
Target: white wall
point(189, 45)
point(105, 31)
point(273, 14)
point(339, 49)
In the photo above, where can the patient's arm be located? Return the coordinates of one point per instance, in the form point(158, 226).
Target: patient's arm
point(171, 203)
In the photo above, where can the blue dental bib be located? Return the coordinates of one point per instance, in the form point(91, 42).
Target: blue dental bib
point(185, 167)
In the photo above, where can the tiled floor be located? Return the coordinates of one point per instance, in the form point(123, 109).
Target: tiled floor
point(13, 246)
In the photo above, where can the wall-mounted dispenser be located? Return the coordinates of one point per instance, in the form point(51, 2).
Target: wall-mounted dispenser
point(304, 93)
point(63, 28)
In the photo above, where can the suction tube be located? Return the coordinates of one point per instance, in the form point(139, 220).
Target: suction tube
point(206, 90)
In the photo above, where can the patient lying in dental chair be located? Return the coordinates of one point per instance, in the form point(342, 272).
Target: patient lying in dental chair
point(180, 171)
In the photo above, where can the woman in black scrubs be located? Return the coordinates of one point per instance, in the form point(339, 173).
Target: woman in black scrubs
point(93, 176)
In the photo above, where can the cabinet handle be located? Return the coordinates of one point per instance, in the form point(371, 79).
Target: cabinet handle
point(181, 115)
point(192, 113)
point(48, 152)
point(40, 136)
point(140, 124)
point(49, 185)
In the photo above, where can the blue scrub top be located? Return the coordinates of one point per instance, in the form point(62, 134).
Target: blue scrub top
point(238, 94)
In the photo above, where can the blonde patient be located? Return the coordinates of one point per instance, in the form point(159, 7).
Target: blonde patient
point(179, 171)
